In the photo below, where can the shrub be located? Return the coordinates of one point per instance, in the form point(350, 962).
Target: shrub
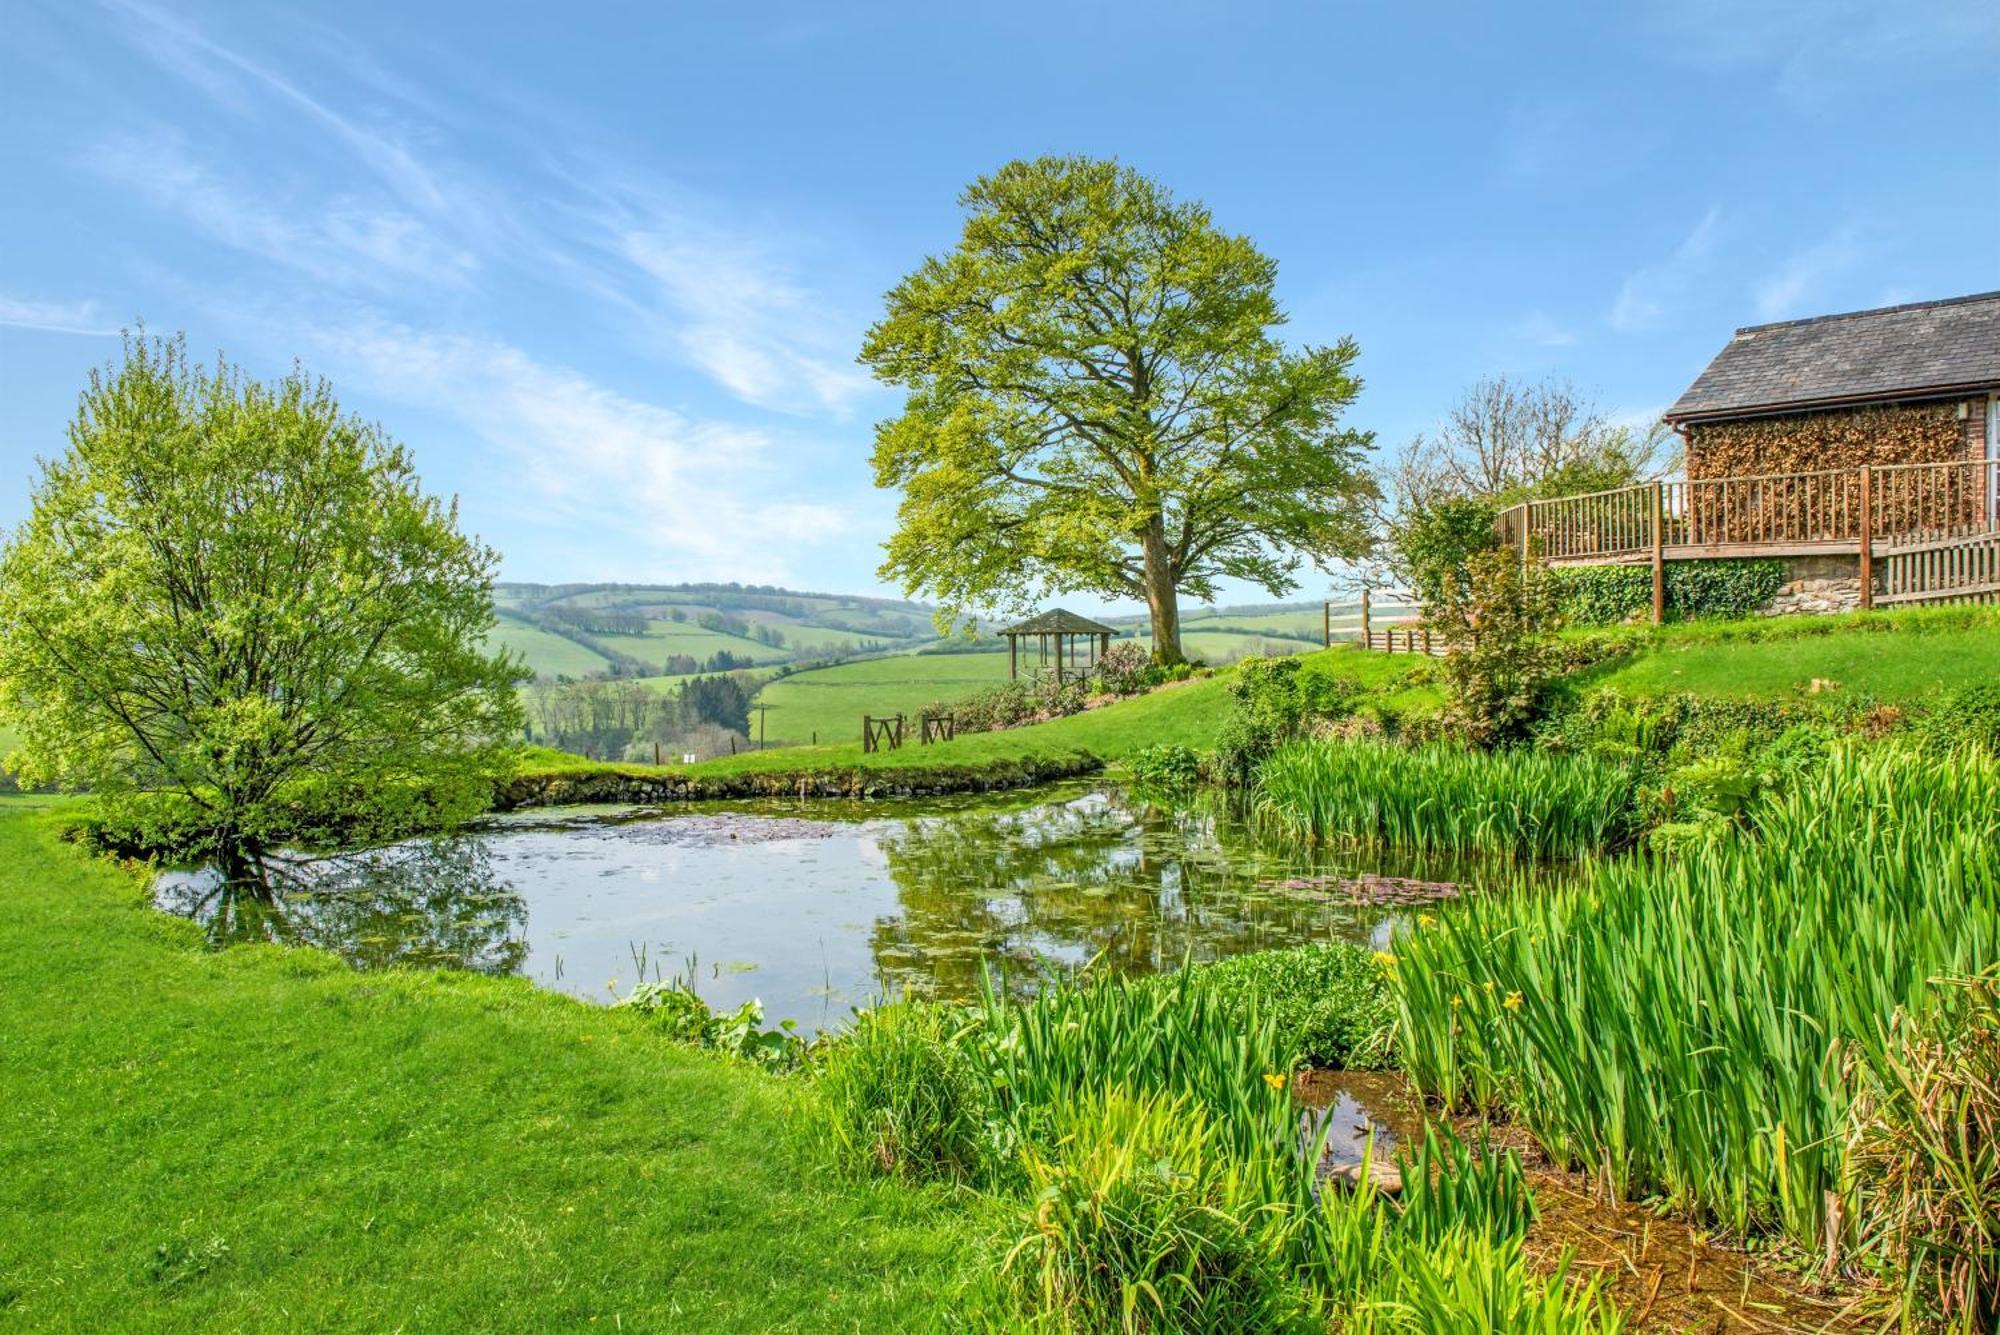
point(1500, 623)
point(1968, 716)
point(1331, 1003)
point(900, 1095)
point(1122, 669)
point(1273, 701)
point(1436, 545)
point(1168, 766)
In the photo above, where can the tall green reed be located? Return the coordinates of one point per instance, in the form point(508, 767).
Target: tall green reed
point(1522, 803)
point(1685, 1027)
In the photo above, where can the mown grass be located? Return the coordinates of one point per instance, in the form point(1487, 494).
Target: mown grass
point(1691, 1027)
point(262, 1139)
point(1890, 655)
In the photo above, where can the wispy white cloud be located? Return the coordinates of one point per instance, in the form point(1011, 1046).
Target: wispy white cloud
point(699, 499)
point(1804, 275)
point(342, 240)
point(53, 317)
point(1648, 294)
point(686, 278)
point(237, 79)
point(743, 320)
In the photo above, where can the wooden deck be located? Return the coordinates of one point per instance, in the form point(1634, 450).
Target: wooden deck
point(1921, 532)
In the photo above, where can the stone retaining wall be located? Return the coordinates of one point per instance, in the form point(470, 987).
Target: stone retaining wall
point(568, 788)
point(1818, 584)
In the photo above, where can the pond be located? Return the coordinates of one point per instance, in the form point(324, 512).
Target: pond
point(815, 908)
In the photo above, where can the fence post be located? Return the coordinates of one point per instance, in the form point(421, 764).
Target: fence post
point(1659, 566)
point(1365, 642)
point(1867, 538)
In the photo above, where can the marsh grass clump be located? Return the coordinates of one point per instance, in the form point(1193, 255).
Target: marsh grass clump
point(1678, 1026)
point(1144, 1133)
point(902, 1095)
point(1927, 1154)
point(1141, 1219)
point(1514, 803)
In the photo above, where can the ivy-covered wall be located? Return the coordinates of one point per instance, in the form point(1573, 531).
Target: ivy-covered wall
point(1604, 595)
point(1901, 433)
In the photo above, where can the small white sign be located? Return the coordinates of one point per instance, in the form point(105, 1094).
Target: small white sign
point(687, 757)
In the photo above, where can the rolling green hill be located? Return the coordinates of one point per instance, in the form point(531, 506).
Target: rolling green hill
point(547, 654)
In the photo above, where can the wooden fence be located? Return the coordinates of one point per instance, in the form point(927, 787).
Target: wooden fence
point(1932, 525)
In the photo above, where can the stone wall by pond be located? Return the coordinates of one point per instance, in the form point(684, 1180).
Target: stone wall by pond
point(1817, 584)
point(582, 786)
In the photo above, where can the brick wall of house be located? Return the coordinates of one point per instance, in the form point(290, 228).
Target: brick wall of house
point(1903, 433)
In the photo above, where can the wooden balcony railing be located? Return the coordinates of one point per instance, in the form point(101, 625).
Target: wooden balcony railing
point(1921, 511)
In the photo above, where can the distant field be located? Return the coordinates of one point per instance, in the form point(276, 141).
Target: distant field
point(663, 639)
point(549, 655)
point(831, 701)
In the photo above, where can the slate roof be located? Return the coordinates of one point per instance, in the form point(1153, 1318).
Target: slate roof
point(1897, 352)
point(1058, 622)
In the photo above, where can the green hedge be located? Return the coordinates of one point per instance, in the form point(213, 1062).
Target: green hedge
point(1606, 595)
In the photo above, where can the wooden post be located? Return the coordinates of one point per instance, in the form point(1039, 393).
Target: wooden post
point(1013, 646)
point(1867, 539)
point(1326, 625)
point(1366, 643)
point(1659, 566)
point(1523, 508)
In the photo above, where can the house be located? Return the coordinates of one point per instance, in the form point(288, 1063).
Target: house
point(1863, 450)
point(1915, 384)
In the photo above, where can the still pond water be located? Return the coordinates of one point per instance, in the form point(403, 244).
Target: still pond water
point(817, 908)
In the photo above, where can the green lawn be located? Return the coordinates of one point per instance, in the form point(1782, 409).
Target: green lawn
point(264, 1140)
point(831, 700)
point(1888, 655)
point(548, 654)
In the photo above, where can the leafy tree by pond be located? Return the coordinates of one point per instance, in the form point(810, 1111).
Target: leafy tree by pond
point(232, 599)
point(1098, 403)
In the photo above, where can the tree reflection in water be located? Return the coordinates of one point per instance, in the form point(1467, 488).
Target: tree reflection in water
point(1055, 885)
point(425, 904)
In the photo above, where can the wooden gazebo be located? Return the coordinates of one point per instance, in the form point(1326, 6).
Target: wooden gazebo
point(1058, 636)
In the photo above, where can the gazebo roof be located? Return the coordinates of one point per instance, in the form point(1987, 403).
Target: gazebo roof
point(1056, 621)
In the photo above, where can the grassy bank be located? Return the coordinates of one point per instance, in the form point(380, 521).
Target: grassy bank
point(261, 1139)
point(1891, 655)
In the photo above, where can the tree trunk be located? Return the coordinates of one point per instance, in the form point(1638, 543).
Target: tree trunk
point(1162, 598)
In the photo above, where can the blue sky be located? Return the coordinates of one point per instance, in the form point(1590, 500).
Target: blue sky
point(605, 267)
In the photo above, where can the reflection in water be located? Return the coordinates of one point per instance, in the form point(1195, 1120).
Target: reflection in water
point(434, 904)
point(816, 916)
point(1136, 886)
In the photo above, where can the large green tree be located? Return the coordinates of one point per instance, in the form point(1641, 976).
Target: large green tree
point(235, 594)
point(1098, 402)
